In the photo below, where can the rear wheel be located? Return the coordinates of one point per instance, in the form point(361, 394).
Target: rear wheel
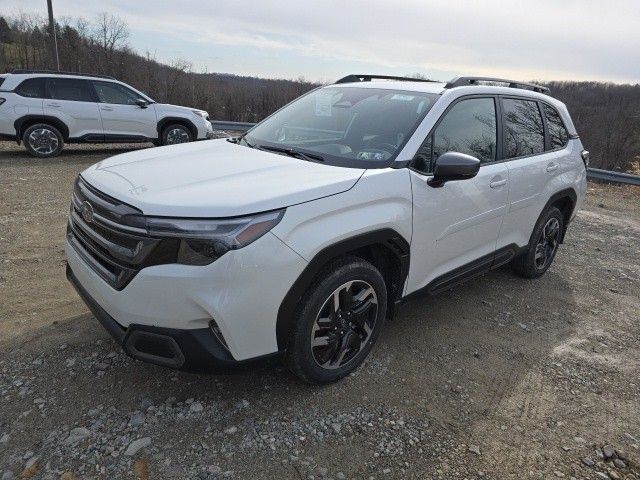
point(543, 245)
point(338, 321)
point(176, 133)
point(43, 140)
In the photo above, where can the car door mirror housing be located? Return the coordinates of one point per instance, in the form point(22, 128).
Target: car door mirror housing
point(142, 103)
point(454, 166)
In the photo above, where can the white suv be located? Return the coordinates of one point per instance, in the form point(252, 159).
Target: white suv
point(46, 109)
point(301, 236)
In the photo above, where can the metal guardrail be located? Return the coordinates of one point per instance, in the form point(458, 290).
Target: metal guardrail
point(231, 126)
point(592, 173)
point(613, 177)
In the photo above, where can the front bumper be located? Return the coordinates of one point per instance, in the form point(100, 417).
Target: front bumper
point(193, 350)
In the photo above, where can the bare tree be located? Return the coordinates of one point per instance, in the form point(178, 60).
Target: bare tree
point(111, 34)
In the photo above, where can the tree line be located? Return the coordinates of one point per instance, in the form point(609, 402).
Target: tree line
point(606, 115)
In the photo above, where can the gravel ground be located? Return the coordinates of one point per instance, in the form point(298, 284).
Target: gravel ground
point(499, 378)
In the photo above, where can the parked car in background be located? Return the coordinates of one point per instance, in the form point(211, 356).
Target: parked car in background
point(45, 110)
point(300, 237)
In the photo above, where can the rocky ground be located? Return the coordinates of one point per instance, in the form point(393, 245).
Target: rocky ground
point(499, 378)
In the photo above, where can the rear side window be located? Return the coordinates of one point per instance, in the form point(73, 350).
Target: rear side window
point(70, 89)
point(523, 129)
point(31, 88)
point(114, 93)
point(1, 81)
point(558, 135)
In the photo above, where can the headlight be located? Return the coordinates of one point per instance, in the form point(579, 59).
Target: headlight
point(201, 241)
point(200, 113)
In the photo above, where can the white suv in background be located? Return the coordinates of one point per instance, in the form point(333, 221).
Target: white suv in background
point(300, 237)
point(46, 109)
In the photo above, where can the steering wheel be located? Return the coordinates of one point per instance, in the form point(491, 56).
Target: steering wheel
point(386, 147)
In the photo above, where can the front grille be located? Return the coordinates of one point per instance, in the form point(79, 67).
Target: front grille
point(111, 236)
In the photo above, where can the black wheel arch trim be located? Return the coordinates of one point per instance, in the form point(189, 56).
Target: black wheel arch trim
point(31, 119)
point(569, 193)
point(394, 242)
point(180, 120)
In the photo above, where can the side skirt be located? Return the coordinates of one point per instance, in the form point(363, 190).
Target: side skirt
point(469, 271)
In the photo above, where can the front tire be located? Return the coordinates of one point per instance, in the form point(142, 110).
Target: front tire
point(543, 245)
point(338, 320)
point(43, 140)
point(175, 133)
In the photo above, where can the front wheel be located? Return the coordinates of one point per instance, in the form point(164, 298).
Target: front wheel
point(338, 321)
point(176, 133)
point(543, 245)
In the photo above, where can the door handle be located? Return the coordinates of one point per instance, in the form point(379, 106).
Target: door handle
point(54, 105)
point(498, 183)
point(106, 109)
point(552, 167)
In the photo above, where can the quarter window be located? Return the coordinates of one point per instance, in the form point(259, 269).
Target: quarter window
point(522, 127)
point(558, 135)
point(469, 127)
point(31, 87)
point(114, 93)
point(70, 89)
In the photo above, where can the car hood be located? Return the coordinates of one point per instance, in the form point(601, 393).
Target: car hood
point(167, 107)
point(215, 178)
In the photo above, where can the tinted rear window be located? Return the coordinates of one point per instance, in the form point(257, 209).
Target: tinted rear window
point(70, 89)
point(1, 81)
point(558, 135)
point(523, 128)
point(31, 87)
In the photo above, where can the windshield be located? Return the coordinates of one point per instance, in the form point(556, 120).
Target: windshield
point(345, 126)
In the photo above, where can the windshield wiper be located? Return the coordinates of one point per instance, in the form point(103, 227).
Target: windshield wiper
point(309, 157)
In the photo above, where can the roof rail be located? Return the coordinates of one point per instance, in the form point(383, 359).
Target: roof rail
point(464, 81)
point(355, 77)
point(53, 72)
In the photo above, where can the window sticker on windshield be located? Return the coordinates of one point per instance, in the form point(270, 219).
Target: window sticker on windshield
point(402, 97)
point(323, 104)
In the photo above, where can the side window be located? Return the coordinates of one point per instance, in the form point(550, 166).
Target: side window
point(558, 135)
point(523, 130)
point(469, 127)
point(31, 87)
point(70, 89)
point(114, 93)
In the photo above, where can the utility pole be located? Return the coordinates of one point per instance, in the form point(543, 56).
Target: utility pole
point(52, 30)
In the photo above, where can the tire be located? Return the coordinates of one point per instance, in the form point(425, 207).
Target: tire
point(543, 245)
point(361, 293)
point(176, 133)
point(43, 140)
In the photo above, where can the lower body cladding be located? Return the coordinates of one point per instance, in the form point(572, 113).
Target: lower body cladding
point(196, 318)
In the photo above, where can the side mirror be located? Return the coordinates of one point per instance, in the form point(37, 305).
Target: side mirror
point(142, 103)
point(454, 166)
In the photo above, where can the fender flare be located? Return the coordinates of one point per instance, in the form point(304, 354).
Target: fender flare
point(569, 193)
point(181, 120)
point(56, 122)
point(393, 242)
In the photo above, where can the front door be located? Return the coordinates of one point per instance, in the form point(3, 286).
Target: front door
point(122, 118)
point(457, 225)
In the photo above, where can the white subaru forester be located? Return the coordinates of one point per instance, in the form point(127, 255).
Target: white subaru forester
point(299, 237)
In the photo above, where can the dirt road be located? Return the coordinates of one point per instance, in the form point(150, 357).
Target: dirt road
point(499, 378)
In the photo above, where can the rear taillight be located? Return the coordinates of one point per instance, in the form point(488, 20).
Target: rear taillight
point(585, 157)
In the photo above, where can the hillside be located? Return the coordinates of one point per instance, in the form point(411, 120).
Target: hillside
point(606, 115)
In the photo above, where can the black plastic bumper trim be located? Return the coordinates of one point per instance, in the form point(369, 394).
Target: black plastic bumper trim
point(192, 350)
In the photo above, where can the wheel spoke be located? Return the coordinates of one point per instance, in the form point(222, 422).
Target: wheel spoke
point(320, 341)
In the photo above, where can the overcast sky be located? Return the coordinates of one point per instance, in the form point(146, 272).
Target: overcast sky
point(322, 40)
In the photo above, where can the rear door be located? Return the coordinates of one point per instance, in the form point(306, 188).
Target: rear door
point(456, 226)
point(72, 101)
point(533, 163)
point(122, 117)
